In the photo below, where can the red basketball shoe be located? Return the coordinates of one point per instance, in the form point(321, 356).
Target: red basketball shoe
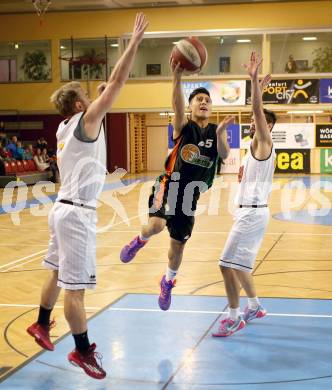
point(88, 362)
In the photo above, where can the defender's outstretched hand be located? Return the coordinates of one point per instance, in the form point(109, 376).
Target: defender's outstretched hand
point(140, 26)
point(265, 82)
point(254, 64)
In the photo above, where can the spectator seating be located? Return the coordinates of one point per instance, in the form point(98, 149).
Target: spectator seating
point(22, 171)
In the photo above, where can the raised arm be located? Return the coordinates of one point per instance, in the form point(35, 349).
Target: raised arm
point(120, 74)
point(262, 133)
point(222, 143)
point(178, 103)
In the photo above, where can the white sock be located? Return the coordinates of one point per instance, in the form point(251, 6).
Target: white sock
point(170, 274)
point(142, 238)
point(234, 313)
point(253, 303)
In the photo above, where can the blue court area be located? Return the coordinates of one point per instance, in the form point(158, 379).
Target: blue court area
point(145, 348)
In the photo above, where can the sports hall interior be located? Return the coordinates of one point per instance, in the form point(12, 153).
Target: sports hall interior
point(143, 347)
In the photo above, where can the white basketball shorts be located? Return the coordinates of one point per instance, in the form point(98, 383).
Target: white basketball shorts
point(72, 246)
point(245, 238)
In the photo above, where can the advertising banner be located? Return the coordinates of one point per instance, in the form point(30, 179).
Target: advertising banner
point(325, 91)
point(233, 135)
point(294, 135)
point(297, 91)
point(245, 136)
point(292, 161)
point(286, 135)
point(324, 135)
point(223, 93)
point(232, 163)
point(326, 161)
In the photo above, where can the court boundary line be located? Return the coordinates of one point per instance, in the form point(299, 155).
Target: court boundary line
point(23, 258)
point(175, 311)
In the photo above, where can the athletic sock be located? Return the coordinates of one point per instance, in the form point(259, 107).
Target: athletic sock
point(82, 342)
point(170, 274)
point(234, 313)
point(44, 316)
point(253, 303)
point(142, 238)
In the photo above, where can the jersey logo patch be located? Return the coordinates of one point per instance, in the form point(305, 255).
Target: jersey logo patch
point(61, 146)
point(190, 154)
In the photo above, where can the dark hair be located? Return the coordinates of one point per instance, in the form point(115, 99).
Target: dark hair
point(197, 91)
point(270, 117)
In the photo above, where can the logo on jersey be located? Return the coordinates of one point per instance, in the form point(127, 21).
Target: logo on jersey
point(191, 154)
point(60, 146)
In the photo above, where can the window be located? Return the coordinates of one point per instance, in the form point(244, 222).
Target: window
point(28, 61)
point(82, 59)
point(301, 52)
point(226, 54)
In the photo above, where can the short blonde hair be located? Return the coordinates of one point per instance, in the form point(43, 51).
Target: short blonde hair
point(65, 98)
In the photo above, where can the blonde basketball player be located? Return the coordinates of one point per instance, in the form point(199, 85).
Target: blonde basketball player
point(252, 216)
point(72, 247)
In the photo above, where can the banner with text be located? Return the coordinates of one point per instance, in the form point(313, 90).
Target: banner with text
point(297, 91)
point(232, 162)
point(286, 135)
point(326, 161)
point(324, 135)
point(233, 135)
point(292, 161)
point(325, 91)
point(222, 93)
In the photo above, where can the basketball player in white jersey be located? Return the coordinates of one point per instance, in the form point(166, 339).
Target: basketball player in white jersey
point(82, 165)
point(252, 216)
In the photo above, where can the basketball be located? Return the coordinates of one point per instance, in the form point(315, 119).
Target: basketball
point(191, 53)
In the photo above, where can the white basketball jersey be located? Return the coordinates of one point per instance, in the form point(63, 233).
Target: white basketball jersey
point(82, 165)
point(255, 177)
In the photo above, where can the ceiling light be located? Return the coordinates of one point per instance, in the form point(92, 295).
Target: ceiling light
point(309, 38)
point(305, 112)
point(114, 45)
point(175, 42)
point(62, 47)
point(243, 40)
point(16, 46)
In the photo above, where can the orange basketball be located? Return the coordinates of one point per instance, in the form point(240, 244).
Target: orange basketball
point(191, 53)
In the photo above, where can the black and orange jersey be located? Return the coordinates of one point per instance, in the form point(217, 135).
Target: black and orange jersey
point(194, 155)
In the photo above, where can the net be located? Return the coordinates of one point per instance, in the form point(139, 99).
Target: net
point(41, 6)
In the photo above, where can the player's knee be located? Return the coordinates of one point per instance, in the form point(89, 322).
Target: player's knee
point(157, 227)
point(74, 295)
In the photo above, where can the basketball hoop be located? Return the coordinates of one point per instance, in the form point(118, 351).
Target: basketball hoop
point(41, 6)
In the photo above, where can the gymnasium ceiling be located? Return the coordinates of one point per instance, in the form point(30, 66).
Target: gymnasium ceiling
point(24, 6)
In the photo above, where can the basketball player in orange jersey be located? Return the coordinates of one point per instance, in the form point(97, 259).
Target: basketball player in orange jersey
point(252, 216)
point(189, 170)
point(72, 247)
